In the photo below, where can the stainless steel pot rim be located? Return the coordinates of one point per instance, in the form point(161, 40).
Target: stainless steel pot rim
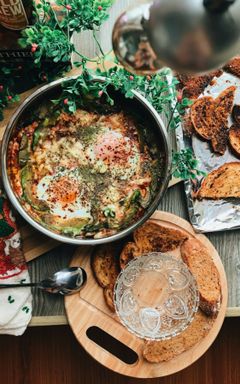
point(80, 241)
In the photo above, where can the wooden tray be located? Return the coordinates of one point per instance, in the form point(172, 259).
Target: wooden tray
point(88, 309)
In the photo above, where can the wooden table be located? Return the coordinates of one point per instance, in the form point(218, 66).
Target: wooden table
point(49, 309)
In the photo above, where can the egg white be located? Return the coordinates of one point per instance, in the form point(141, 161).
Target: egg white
point(123, 171)
point(73, 210)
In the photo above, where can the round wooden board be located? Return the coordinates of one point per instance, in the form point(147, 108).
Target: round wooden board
point(88, 309)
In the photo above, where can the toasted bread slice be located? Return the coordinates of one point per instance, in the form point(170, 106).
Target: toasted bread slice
point(193, 86)
point(187, 125)
point(234, 138)
point(219, 122)
point(201, 115)
point(105, 265)
point(236, 114)
point(233, 66)
point(210, 118)
point(224, 103)
point(200, 263)
point(221, 183)
point(108, 297)
point(130, 250)
point(165, 350)
point(153, 237)
point(219, 139)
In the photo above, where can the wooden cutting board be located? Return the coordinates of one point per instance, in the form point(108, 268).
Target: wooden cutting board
point(35, 243)
point(88, 316)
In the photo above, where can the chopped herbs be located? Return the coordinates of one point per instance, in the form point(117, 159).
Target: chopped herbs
point(135, 196)
point(109, 212)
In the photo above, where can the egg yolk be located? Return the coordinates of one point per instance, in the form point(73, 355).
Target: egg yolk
point(112, 147)
point(63, 190)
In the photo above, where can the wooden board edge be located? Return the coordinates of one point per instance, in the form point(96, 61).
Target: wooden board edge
point(40, 250)
point(233, 312)
point(41, 321)
point(173, 181)
point(177, 220)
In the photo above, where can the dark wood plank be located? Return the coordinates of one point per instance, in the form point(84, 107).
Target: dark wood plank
point(51, 355)
point(43, 303)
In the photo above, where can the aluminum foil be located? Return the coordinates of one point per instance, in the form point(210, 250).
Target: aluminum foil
point(211, 215)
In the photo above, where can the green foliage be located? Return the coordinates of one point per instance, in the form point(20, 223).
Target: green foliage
point(51, 34)
point(185, 165)
point(85, 14)
point(157, 90)
point(7, 95)
point(11, 79)
point(51, 43)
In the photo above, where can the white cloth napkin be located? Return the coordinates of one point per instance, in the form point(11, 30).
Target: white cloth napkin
point(15, 303)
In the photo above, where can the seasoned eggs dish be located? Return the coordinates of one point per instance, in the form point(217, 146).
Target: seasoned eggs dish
point(86, 174)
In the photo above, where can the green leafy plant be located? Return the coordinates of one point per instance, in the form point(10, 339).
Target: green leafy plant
point(85, 14)
point(49, 40)
point(7, 94)
point(185, 165)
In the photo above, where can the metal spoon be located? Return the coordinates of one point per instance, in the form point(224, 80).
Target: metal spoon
point(66, 282)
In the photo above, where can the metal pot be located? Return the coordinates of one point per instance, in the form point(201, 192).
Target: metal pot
point(138, 103)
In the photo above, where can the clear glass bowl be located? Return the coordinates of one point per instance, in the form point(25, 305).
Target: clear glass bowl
point(156, 296)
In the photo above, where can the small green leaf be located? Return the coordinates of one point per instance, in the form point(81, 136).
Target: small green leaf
point(109, 212)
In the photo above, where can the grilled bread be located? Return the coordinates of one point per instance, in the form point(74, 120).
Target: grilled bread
point(130, 250)
point(201, 115)
point(199, 260)
point(224, 103)
point(236, 114)
point(210, 118)
point(221, 183)
point(234, 138)
point(165, 350)
point(219, 139)
point(219, 124)
point(105, 265)
point(108, 297)
point(193, 86)
point(233, 66)
point(153, 237)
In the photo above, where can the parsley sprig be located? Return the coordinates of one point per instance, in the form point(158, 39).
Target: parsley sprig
point(185, 165)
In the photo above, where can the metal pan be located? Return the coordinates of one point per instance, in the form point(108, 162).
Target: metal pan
point(139, 104)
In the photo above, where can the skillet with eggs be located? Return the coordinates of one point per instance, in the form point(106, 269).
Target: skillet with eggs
point(86, 174)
